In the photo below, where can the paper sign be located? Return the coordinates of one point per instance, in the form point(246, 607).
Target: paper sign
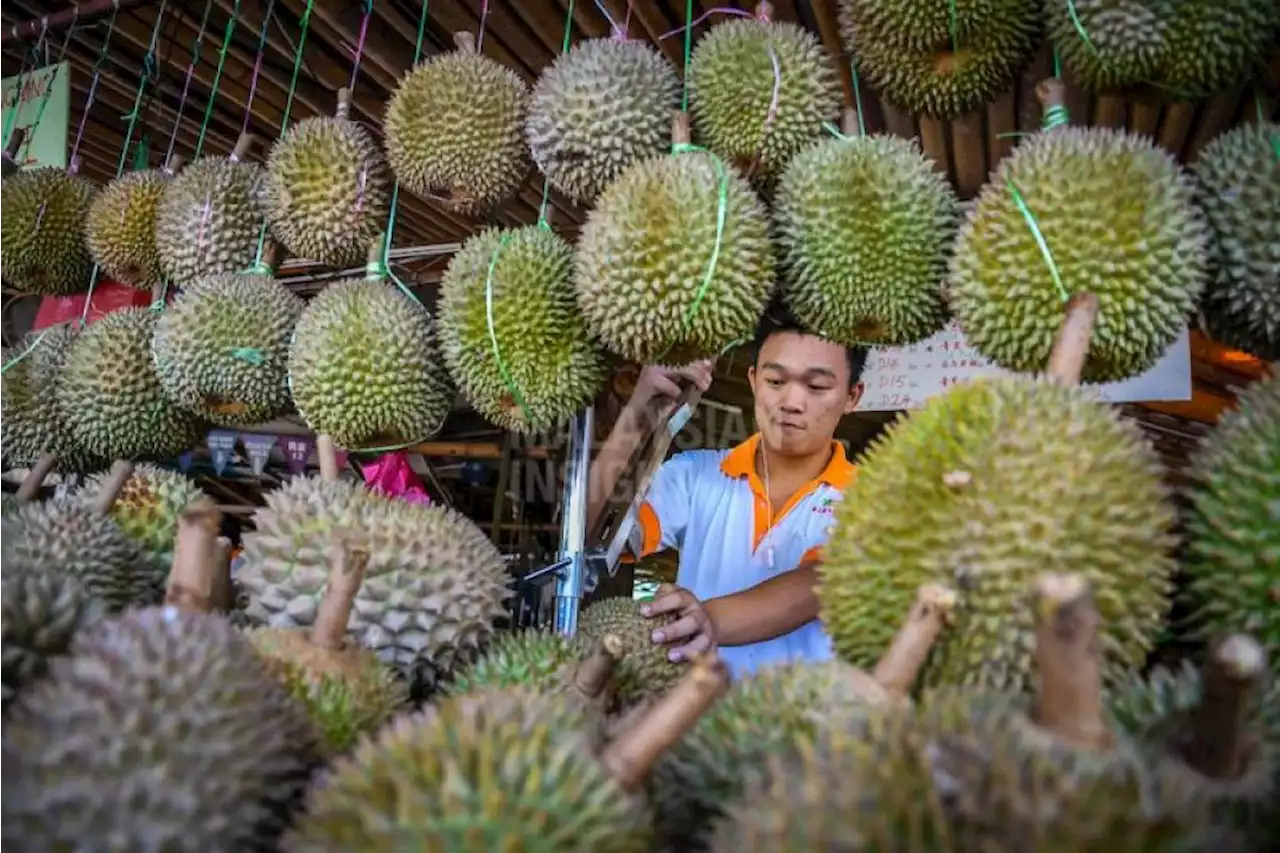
point(297, 449)
point(904, 377)
point(258, 448)
point(222, 444)
point(42, 99)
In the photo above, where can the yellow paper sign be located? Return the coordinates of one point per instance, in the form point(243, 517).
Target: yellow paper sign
point(43, 111)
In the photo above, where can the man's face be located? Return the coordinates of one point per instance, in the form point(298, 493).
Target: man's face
point(801, 388)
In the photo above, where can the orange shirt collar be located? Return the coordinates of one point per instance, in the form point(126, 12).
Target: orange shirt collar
point(741, 462)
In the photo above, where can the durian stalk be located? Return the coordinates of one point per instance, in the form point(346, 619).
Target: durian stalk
point(220, 596)
point(35, 478)
point(633, 753)
point(900, 665)
point(191, 576)
point(1051, 93)
point(173, 165)
point(1072, 345)
point(243, 144)
point(343, 109)
point(73, 168)
point(328, 456)
point(1069, 702)
point(592, 676)
point(373, 267)
point(764, 11)
point(681, 133)
point(464, 41)
point(346, 573)
point(11, 151)
point(849, 122)
point(1219, 736)
point(120, 473)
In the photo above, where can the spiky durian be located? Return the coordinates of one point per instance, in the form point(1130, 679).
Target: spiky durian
point(665, 275)
point(644, 670)
point(531, 658)
point(221, 347)
point(865, 226)
point(512, 333)
point(981, 489)
point(121, 227)
point(160, 731)
point(596, 110)
point(43, 609)
point(454, 130)
point(42, 247)
point(111, 396)
point(940, 57)
point(1212, 46)
point(1238, 190)
point(327, 188)
point(760, 91)
point(1110, 44)
point(1116, 215)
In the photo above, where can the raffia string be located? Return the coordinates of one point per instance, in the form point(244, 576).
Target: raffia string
point(257, 66)
point(359, 52)
point(197, 48)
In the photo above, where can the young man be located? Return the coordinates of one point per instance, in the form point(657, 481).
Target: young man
point(749, 522)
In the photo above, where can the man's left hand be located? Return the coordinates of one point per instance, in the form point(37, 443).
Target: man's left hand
point(691, 633)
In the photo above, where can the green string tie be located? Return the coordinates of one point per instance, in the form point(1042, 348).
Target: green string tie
point(953, 26)
point(546, 184)
point(26, 352)
point(217, 76)
point(1021, 204)
point(507, 378)
point(1056, 116)
point(252, 355)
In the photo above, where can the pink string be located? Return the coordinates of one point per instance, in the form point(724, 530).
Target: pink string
point(253, 90)
point(722, 10)
point(364, 29)
point(773, 109)
point(626, 22)
point(84, 116)
point(484, 15)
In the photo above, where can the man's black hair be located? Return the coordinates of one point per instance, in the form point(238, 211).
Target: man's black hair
point(776, 322)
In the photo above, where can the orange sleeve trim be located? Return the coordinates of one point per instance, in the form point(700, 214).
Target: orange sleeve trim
point(813, 555)
point(651, 527)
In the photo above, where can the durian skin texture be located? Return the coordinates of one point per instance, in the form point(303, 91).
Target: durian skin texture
point(365, 367)
point(121, 228)
point(555, 366)
point(1127, 40)
point(112, 397)
point(531, 658)
point(160, 731)
point(221, 348)
point(864, 227)
point(644, 670)
point(599, 108)
point(328, 190)
point(455, 132)
point(1117, 215)
point(905, 48)
point(731, 85)
point(1233, 526)
point(496, 770)
point(1238, 190)
point(42, 246)
point(644, 253)
point(1212, 46)
point(210, 218)
point(1039, 475)
point(42, 611)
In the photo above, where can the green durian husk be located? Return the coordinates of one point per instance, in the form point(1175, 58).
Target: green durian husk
point(42, 245)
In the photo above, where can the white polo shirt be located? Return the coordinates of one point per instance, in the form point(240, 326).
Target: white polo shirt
point(711, 506)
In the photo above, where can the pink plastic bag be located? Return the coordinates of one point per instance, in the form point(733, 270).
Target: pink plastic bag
point(391, 475)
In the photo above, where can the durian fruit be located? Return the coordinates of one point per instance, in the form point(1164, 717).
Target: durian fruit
point(644, 671)
point(1233, 526)
point(81, 540)
point(532, 658)
point(211, 216)
point(513, 769)
point(942, 58)
point(221, 347)
point(112, 398)
point(1213, 46)
point(344, 687)
point(865, 225)
point(454, 130)
point(596, 110)
point(765, 711)
point(1110, 45)
point(981, 489)
point(674, 261)
point(1238, 190)
point(328, 188)
point(511, 332)
point(120, 229)
point(42, 247)
point(43, 610)
point(433, 588)
point(365, 366)
point(1115, 212)
point(760, 91)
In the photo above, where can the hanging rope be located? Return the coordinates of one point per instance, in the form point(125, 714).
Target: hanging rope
point(257, 66)
point(217, 78)
point(34, 54)
point(364, 31)
point(94, 80)
point(44, 101)
point(546, 184)
point(197, 50)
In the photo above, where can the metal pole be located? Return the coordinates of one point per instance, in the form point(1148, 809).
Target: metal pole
point(573, 523)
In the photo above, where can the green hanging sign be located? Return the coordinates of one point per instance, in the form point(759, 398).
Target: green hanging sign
point(42, 100)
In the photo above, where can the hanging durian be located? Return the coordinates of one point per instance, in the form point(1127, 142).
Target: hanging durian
point(211, 216)
point(597, 109)
point(1110, 45)
point(328, 188)
point(221, 347)
point(454, 130)
point(42, 246)
point(511, 331)
point(760, 91)
point(43, 609)
point(1211, 47)
point(674, 261)
point(121, 226)
point(1075, 210)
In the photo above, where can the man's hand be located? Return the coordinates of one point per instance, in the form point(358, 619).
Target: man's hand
point(693, 632)
point(658, 388)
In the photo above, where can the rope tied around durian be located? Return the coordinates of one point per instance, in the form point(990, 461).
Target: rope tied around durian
point(503, 370)
point(564, 48)
point(250, 355)
point(26, 352)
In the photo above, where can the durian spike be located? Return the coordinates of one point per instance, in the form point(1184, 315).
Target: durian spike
point(347, 563)
point(243, 144)
point(174, 164)
point(1219, 736)
point(1068, 701)
point(1072, 344)
point(465, 41)
point(681, 132)
point(764, 11)
point(1052, 94)
point(35, 478)
point(632, 754)
point(11, 150)
point(592, 676)
point(328, 456)
point(120, 473)
point(191, 576)
point(344, 103)
point(220, 596)
point(849, 122)
point(900, 665)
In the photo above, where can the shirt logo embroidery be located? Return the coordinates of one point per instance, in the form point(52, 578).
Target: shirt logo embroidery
point(824, 506)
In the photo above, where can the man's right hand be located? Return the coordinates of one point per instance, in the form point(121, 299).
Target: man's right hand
point(658, 388)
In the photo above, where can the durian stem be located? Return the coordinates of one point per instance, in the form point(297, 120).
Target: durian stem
point(158, 291)
point(328, 456)
point(1072, 344)
point(191, 577)
point(1052, 94)
point(243, 144)
point(174, 164)
point(1069, 699)
point(899, 667)
point(73, 168)
point(681, 134)
point(35, 478)
point(374, 270)
point(849, 122)
point(764, 11)
point(346, 572)
point(632, 754)
point(220, 596)
point(593, 674)
point(1219, 735)
point(344, 104)
point(272, 255)
point(120, 473)
point(464, 41)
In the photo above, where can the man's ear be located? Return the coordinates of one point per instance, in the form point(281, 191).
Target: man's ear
point(855, 395)
point(751, 377)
